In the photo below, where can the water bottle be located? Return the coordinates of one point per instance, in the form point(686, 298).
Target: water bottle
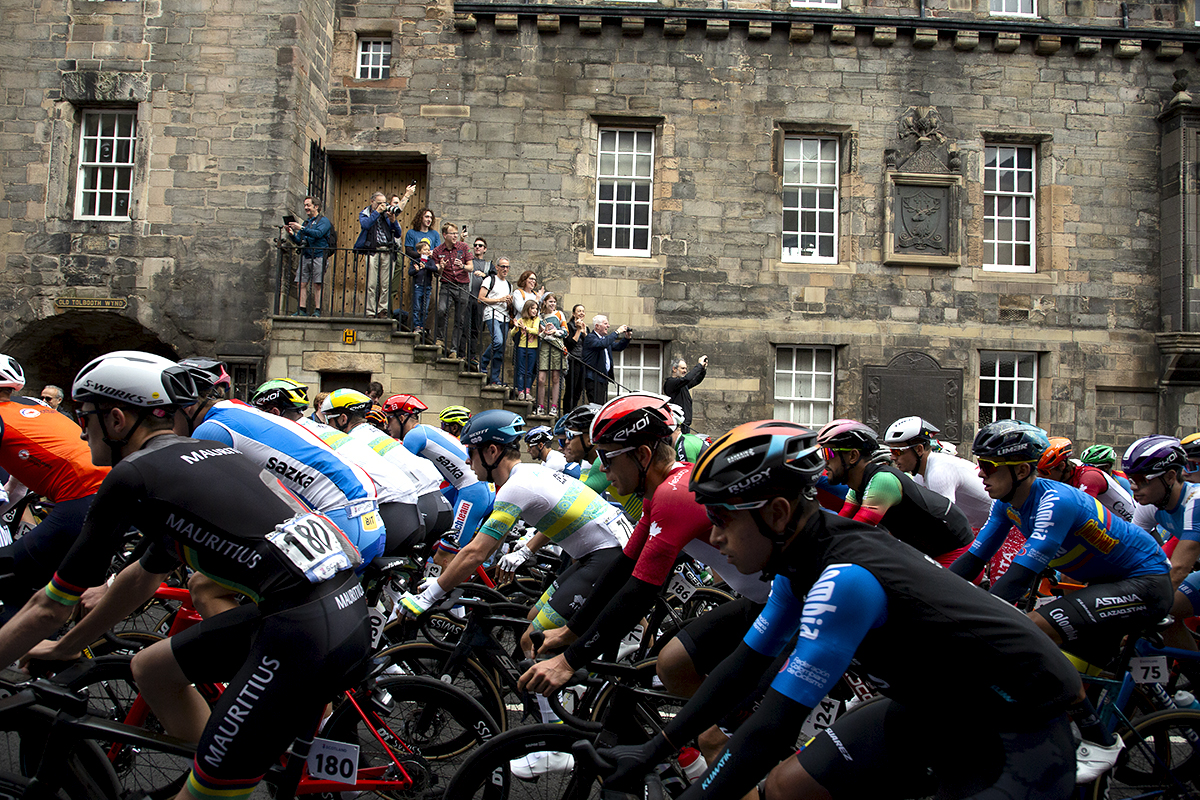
point(692, 762)
point(1185, 699)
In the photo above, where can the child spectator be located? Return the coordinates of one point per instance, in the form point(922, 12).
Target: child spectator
point(525, 360)
point(422, 271)
point(552, 355)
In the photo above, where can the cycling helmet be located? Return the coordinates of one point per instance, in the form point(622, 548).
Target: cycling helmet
point(1056, 453)
point(208, 373)
point(908, 431)
point(346, 401)
point(284, 394)
point(677, 413)
point(848, 434)
point(1010, 441)
point(404, 404)
point(1099, 455)
point(377, 418)
point(455, 415)
point(633, 418)
point(1153, 456)
point(882, 457)
point(134, 378)
point(755, 461)
point(539, 435)
point(1191, 446)
point(579, 419)
point(11, 374)
point(494, 426)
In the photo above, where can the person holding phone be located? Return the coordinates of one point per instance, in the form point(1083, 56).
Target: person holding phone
point(377, 240)
point(313, 237)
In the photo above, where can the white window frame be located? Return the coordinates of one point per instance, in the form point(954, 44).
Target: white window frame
point(811, 193)
point(816, 3)
point(804, 383)
point(1013, 8)
point(634, 371)
point(100, 175)
point(1007, 187)
point(1019, 400)
point(374, 56)
point(624, 164)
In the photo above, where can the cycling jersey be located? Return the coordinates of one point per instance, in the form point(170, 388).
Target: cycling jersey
point(42, 449)
point(424, 475)
point(1182, 521)
point(957, 479)
point(561, 508)
point(556, 461)
point(304, 464)
point(1102, 486)
point(1073, 533)
point(444, 451)
point(392, 484)
point(597, 481)
point(689, 446)
point(923, 518)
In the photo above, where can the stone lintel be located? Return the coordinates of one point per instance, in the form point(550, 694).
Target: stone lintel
point(94, 86)
point(883, 36)
point(966, 40)
point(445, 111)
point(548, 23)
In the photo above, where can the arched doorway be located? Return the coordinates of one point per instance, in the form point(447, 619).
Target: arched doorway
point(53, 350)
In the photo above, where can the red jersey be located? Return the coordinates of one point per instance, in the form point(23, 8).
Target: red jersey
point(670, 519)
point(41, 448)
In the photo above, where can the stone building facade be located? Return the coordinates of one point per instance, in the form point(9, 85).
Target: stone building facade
point(959, 208)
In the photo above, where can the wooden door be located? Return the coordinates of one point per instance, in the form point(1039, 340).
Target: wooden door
point(352, 189)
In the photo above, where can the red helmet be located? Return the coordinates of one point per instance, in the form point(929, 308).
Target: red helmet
point(640, 418)
point(403, 404)
point(1056, 454)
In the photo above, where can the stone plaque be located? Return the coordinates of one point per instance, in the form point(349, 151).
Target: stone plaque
point(922, 223)
point(913, 384)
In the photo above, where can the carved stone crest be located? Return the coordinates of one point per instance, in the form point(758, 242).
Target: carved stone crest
point(922, 218)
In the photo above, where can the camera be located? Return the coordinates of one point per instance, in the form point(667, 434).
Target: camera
point(394, 210)
point(629, 332)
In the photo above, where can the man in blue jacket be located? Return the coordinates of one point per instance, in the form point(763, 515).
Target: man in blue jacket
point(380, 229)
point(313, 236)
point(598, 347)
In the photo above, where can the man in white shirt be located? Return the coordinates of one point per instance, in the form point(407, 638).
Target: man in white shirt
point(495, 293)
point(910, 440)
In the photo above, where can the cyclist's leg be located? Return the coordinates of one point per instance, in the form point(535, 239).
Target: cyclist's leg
point(700, 645)
point(1091, 621)
point(209, 597)
point(568, 594)
point(405, 529)
point(1184, 605)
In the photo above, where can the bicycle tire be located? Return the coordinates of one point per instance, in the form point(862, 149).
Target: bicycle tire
point(429, 660)
point(487, 773)
point(629, 728)
point(109, 686)
point(1140, 772)
point(439, 723)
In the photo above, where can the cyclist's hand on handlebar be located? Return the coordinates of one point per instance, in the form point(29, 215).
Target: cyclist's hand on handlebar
point(556, 639)
point(414, 605)
point(547, 677)
point(47, 650)
point(633, 762)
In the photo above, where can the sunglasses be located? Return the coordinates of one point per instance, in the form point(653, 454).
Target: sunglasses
point(988, 467)
point(81, 416)
point(828, 452)
point(716, 512)
point(606, 459)
point(1191, 467)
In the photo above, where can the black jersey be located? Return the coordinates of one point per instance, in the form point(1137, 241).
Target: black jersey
point(920, 516)
point(195, 501)
point(941, 640)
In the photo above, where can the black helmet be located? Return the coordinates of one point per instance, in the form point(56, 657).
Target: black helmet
point(1010, 441)
point(208, 373)
point(579, 419)
point(757, 460)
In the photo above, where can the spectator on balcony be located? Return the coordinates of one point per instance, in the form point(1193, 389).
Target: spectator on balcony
point(377, 243)
point(453, 261)
point(313, 236)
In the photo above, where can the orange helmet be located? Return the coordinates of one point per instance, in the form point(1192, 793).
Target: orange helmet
point(1056, 454)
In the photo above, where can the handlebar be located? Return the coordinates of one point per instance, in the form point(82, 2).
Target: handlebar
point(586, 755)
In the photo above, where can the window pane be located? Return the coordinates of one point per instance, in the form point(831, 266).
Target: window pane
point(804, 384)
point(1008, 207)
point(107, 152)
point(623, 207)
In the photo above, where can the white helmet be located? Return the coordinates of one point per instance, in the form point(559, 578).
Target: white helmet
point(11, 374)
point(908, 431)
point(135, 378)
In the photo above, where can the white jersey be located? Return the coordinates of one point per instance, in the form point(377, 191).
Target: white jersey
point(562, 508)
point(555, 461)
point(425, 478)
point(957, 479)
point(392, 484)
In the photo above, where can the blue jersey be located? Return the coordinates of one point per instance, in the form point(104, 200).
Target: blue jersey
point(446, 453)
point(1182, 521)
point(1071, 531)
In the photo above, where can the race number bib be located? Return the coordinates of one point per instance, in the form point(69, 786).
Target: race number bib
point(313, 544)
point(680, 586)
point(1149, 669)
point(620, 527)
point(333, 761)
point(821, 717)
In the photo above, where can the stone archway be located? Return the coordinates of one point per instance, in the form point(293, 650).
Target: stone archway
point(52, 350)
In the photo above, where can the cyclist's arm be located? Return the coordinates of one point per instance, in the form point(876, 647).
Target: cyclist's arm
point(991, 537)
point(602, 594)
point(1183, 559)
point(1014, 583)
point(617, 617)
point(133, 586)
point(469, 559)
point(878, 497)
point(16, 491)
point(1144, 518)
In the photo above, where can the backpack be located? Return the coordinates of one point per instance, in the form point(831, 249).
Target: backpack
point(332, 241)
point(512, 310)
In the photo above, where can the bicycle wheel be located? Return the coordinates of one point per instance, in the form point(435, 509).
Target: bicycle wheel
point(422, 658)
point(429, 725)
point(108, 684)
point(529, 763)
point(634, 716)
point(1161, 758)
point(700, 601)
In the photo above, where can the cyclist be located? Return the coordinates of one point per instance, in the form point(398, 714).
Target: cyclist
point(632, 433)
point(563, 511)
point(539, 441)
point(854, 593)
point(1057, 465)
point(572, 431)
point(911, 442)
point(1191, 446)
point(454, 419)
point(409, 499)
point(1126, 572)
point(688, 446)
point(1103, 457)
point(1156, 465)
point(885, 496)
point(470, 498)
point(578, 447)
point(203, 503)
point(41, 450)
point(304, 464)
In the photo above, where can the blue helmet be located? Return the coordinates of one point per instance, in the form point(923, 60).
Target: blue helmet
point(539, 435)
point(495, 426)
point(1009, 441)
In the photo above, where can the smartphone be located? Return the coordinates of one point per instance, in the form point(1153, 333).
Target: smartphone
point(464, 231)
point(414, 183)
point(288, 219)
